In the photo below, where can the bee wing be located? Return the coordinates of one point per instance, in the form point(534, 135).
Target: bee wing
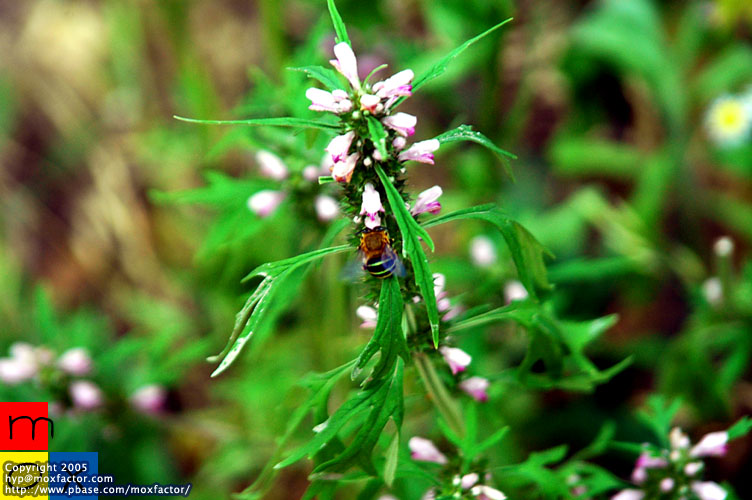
point(399, 267)
point(353, 270)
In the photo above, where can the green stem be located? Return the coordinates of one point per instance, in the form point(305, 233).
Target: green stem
point(439, 394)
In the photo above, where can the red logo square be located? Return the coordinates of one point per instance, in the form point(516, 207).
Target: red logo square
point(24, 426)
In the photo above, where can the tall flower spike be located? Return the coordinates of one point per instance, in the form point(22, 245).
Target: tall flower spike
point(346, 63)
point(402, 123)
point(420, 151)
point(371, 206)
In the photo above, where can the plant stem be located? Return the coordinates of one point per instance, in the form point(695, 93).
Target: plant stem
point(439, 394)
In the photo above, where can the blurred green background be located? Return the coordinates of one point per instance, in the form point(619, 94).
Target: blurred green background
point(126, 232)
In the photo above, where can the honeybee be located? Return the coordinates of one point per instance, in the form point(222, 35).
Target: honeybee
point(379, 259)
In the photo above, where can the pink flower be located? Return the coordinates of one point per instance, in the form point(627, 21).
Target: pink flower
point(149, 399)
point(456, 358)
point(482, 251)
point(346, 63)
point(85, 395)
point(428, 201)
point(402, 123)
point(265, 202)
point(396, 85)
point(271, 166)
point(483, 492)
point(342, 170)
point(14, 371)
point(420, 151)
point(708, 490)
point(371, 206)
point(629, 495)
point(399, 143)
point(693, 468)
point(714, 444)
point(311, 172)
point(336, 101)
point(340, 146)
point(667, 484)
point(476, 388)
point(469, 480)
point(75, 361)
point(368, 315)
point(424, 450)
point(327, 208)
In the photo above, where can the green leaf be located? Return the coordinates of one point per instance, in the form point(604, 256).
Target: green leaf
point(441, 66)
point(740, 428)
point(272, 122)
point(387, 337)
point(412, 232)
point(249, 318)
point(381, 399)
point(339, 25)
point(392, 460)
point(466, 133)
point(378, 135)
point(327, 76)
point(527, 252)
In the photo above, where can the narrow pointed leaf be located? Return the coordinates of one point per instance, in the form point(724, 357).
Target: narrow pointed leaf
point(339, 24)
point(466, 133)
point(272, 122)
point(377, 135)
point(412, 232)
point(325, 75)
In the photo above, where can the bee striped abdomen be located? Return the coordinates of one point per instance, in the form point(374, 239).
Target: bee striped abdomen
point(382, 266)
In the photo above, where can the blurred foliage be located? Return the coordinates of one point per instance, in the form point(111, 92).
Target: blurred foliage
point(127, 233)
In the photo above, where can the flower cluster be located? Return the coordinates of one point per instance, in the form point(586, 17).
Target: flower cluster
point(265, 202)
point(361, 100)
point(467, 486)
point(677, 471)
point(71, 372)
point(728, 120)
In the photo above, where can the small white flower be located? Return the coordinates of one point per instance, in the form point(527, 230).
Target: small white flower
point(399, 143)
point(337, 102)
point(469, 480)
point(265, 202)
point(13, 371)
point(724, 246)
point(708, 490)
point(483, 251)
point(424, 450)
point(369, 315)
point(667, 484)
point(421, 151)
point(483, 492)
point(456, 358)
point(678, 439)
point(85, 395)
point(476, 387)
point(402, 123)
point(75, 361)
point(311, 172)
point(340, 146)
point(629, 495)
point(693, 468)
point(326, 207)
point(714, 444)
point(371, 205)
point(372, 103)
point(428, 201)
point(149, 399)
point(514, 290)
point(342, 170)
point(271, 166)
point(712, 289)
point(346, 63)
point(729, 120)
